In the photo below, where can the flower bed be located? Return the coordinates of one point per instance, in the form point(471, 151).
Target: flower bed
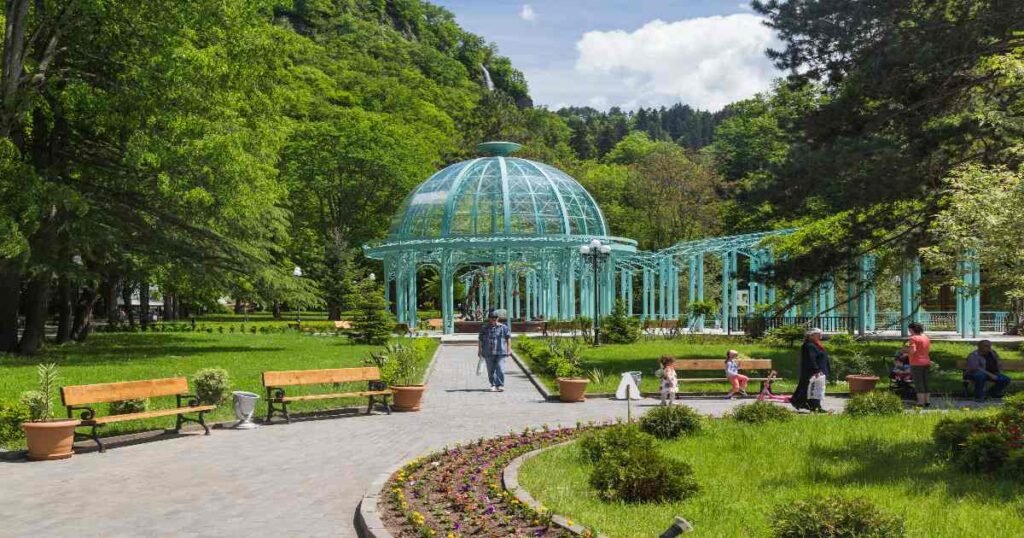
point(458, 491)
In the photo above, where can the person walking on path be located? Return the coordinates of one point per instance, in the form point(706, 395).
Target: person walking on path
point(920, 362)
point(983, 366)
point(813, 359)
point(493, 346)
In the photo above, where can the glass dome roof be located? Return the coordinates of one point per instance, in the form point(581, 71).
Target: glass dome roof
point(497, 196)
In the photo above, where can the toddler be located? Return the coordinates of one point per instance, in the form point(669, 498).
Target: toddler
point(901, 367)
point(732, 371)
point(669, 381)
point(766, 390)
point(816, 391)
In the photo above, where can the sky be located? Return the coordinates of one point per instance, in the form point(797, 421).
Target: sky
point(627, 53)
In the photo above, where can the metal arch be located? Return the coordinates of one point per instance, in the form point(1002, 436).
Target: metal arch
point(449, 205)
point(566, 230)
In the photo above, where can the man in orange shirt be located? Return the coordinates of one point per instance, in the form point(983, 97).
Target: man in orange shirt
point(920, 362)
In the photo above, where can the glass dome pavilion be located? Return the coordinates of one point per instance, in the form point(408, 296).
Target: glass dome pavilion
point(510, 228)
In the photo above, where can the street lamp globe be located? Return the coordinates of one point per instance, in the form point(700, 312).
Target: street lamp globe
point(595, 243)
point(585, 250)
point(373, 277)
point(297, 271)
point(605, 249)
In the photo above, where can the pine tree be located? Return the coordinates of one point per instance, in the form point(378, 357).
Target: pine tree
point(373, 322)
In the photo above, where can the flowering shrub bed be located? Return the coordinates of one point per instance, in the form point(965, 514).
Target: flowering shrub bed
point(458, 491)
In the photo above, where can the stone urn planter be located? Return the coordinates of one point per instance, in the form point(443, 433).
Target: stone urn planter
point(50, 440)
point(572, 389)
point(407, 397)
point(860, 384)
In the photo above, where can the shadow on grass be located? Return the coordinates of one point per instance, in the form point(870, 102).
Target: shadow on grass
point(877, 461)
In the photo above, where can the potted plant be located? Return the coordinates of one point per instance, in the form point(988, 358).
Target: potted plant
point(860, 378)
point(572, 381)
point(400, 368)
point(48, 438)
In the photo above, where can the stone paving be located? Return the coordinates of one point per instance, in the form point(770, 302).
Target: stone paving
point(302, 479)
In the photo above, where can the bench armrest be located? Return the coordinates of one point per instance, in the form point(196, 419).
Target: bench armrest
point(377, 385)
point(193, 400)
point(88, 413)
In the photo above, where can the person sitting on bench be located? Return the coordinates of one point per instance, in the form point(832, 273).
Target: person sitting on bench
point(982, 366)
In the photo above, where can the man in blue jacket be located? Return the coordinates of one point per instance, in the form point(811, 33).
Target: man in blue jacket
point(493, 346)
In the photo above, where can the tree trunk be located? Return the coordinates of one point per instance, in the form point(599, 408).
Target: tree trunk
point(170, 310)
point(10, 299)
point(333, 312)
point(276, 309)
point(83, 314)
point(37, 298)
point(144, 304)
point(109, 292)
point(65, 308)
point(239, 306)
point(126, 297)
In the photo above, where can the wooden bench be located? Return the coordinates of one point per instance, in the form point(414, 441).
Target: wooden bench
point(665, 327)
point(276, 382)
point(342, 325)
point(706, 365)
point(81, 397)
point(1004, 366)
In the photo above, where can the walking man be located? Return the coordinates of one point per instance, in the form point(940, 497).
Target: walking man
point(493, 346)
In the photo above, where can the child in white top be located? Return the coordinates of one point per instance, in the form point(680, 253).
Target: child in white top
point(816, 391)
point(732, 371)
point(669, 380)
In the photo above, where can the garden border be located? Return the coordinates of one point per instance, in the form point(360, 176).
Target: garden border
point(510, 481)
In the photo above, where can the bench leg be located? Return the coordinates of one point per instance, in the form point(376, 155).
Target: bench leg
point(201, 420)
point(387, 406)
point(94, 436)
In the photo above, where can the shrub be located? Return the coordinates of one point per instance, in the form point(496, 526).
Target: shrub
point(1014, 404)
point(619, 327)
point(1014, 466)
point(373, 321)
point(639, 474)
point(840, 340)
point(951, 433)
point(38, 402)
point(761, 413)
point(834, 517)
point(211, 385)
point(877, 403)
point(127, 407)
point(785, 335)
point(399, 365)
point(11, 418)
point(671, 421)
point(984, 451)
point(844, 365)
point(595, 443)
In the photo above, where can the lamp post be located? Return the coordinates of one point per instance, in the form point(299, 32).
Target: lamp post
point(297, 273)
point(596, 252)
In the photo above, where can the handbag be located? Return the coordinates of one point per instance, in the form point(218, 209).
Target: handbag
point(480, 366)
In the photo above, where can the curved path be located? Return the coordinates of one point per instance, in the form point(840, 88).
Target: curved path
point(303, 479)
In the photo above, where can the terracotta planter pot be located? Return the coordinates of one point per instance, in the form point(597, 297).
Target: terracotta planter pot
point(51, 440)
point(407, 397)
point(573, 389)
point(859, 384)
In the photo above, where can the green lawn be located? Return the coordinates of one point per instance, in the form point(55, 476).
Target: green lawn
point(746, 471)
point(613, 359)
point(129, 356)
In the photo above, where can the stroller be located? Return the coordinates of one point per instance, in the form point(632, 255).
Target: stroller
point(900, 381)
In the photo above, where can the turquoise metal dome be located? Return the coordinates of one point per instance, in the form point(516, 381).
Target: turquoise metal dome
point(497, 195)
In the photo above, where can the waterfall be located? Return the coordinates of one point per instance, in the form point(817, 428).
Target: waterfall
point(487, 78)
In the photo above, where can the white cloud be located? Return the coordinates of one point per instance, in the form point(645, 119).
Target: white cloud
point(527, 13)
point(705, 62)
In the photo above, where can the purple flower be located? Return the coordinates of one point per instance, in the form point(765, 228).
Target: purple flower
point(490, 509)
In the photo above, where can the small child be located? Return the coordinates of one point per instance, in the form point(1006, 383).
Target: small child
point(901, 366)
point(669, 381)
point(732, 371)
point(816, 391)
point(766, 390)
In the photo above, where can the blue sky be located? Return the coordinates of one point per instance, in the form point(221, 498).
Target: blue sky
point(627, 53)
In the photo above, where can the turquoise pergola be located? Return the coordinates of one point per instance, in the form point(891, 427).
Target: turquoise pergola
point(509, 230)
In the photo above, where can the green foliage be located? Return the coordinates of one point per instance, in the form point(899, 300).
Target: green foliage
point(619, 327)
point(834, 517)
point(761, 413)
point(874, 403)
point(39, 402)
point(635, 476)
point(856, 363)
point(11, 418)
point(562, 358)
point(840, 340)
point(1014, 466)
point(984, 451)
point(950, 433)
point(596, 443)
point(787, 335)
point(672, 421)
point(127, 407)
point(373, 322)
point(211, 385)
point(399, 364)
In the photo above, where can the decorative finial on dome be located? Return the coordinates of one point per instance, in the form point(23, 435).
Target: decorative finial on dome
point(498, 148)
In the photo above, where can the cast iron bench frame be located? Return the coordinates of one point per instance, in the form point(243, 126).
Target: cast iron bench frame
point(277, 401)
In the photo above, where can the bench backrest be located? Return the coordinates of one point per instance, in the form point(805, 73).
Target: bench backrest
point(719, 364)
point(342, 324)
point(315, 377)
point(1009, 366)
point(126, 390)
point(661, 324)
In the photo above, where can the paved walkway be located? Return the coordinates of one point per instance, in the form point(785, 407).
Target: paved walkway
point(303, 479)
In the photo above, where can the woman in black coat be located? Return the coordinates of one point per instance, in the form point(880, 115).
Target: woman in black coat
point(813, 358)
